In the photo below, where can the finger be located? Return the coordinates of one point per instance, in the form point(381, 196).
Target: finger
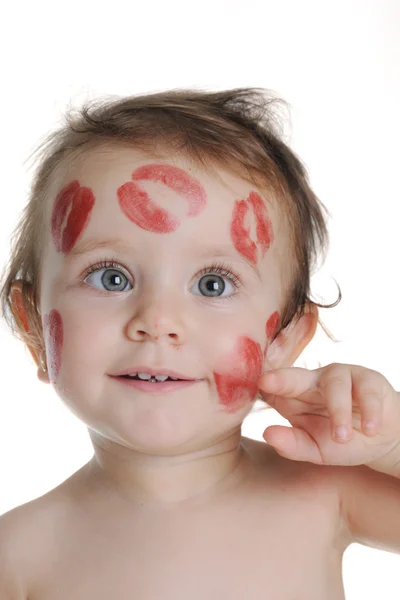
point(370, 393)
point(291, 382)
point(286, 407)
point(293, 443)
point(335, 385)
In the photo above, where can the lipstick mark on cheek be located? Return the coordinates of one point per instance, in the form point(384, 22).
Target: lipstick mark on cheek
point(137, 205)
point(81, 201)
point(240, 234)
point(54, 335)
point(239, 386)
point(271, 327)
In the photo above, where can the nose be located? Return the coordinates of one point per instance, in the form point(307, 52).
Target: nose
point(157, 321)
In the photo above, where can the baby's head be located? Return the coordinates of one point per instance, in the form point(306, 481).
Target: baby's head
point(168, 231)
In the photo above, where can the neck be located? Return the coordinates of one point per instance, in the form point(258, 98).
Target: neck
point(168, 480)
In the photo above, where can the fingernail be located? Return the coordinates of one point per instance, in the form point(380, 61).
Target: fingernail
point(370, 425)
point(342, 432)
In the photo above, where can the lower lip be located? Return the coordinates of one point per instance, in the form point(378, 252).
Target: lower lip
point(162, 387)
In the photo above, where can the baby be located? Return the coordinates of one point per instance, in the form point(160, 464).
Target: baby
point(160, 277)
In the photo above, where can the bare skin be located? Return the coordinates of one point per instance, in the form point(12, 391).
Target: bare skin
point(274, 530)
point(174, 504)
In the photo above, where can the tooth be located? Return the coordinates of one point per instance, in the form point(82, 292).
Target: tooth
point(161, 377)
point(144, 375)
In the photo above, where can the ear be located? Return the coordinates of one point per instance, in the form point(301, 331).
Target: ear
point(291, 341)
point(18, 310)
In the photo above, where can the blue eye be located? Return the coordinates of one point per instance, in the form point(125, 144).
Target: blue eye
point(112, 279)
point(211, 283)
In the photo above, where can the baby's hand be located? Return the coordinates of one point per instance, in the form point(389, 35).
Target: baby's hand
point(322, 403)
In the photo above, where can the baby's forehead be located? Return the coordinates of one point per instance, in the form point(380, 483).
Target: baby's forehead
point(162, 192)
point(104, 169)
point(109, 165)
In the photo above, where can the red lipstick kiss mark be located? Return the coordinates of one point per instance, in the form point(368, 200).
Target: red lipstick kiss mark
point(139, 208)
point(53, 331)
point(270, 328)
point(81, 200)
point(241, 235)
point(272, 325)
point(240, 386)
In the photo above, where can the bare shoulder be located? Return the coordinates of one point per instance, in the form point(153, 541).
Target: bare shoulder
point(19, 549)
point(26, 534)
point(12, 553)
point(320, 486)
point(326, 477)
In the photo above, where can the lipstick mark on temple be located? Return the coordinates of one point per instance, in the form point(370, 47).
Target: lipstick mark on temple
point(271, 327)
point(53, 332)
point(137, 205)
point(239, 385)
point(81, 201)
point(241, 235)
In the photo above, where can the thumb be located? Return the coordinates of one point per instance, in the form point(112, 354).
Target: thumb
point(293, 443)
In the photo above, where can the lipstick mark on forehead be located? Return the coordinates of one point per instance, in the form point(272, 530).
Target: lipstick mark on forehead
point(137, 205)
point(240, 234)
point(80, 201)
point(178, 180)
point(54, 335)
point(265, 234)
point(239, 386)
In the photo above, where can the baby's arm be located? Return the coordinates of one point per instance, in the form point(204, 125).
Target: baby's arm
point(315, 402)
point(371, 507)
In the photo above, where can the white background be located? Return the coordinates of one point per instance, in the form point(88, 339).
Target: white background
point(337, 64)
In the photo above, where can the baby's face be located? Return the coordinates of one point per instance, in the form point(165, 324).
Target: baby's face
point(151, 263)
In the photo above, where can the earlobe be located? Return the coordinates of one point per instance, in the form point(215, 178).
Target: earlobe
point(43, 376)
point(18, 310)
point(291, 341)
point(17, 305)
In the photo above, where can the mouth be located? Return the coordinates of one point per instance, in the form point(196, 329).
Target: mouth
point(146, 373)
point(154, 378)
point(152, 385)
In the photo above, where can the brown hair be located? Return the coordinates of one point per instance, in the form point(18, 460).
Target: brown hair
point(237, 129)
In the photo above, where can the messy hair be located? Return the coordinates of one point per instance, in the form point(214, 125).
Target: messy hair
point(238, 129)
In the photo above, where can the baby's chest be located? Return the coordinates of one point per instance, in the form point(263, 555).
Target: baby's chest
point(274, 552)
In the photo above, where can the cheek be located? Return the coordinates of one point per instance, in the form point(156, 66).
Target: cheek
point(137, 205)
point(79, 201)
point(238, 384)
point(53, 335)
point(240, 234)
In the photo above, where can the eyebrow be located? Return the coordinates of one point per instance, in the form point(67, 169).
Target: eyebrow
point(87, 246)
point(94, 244)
